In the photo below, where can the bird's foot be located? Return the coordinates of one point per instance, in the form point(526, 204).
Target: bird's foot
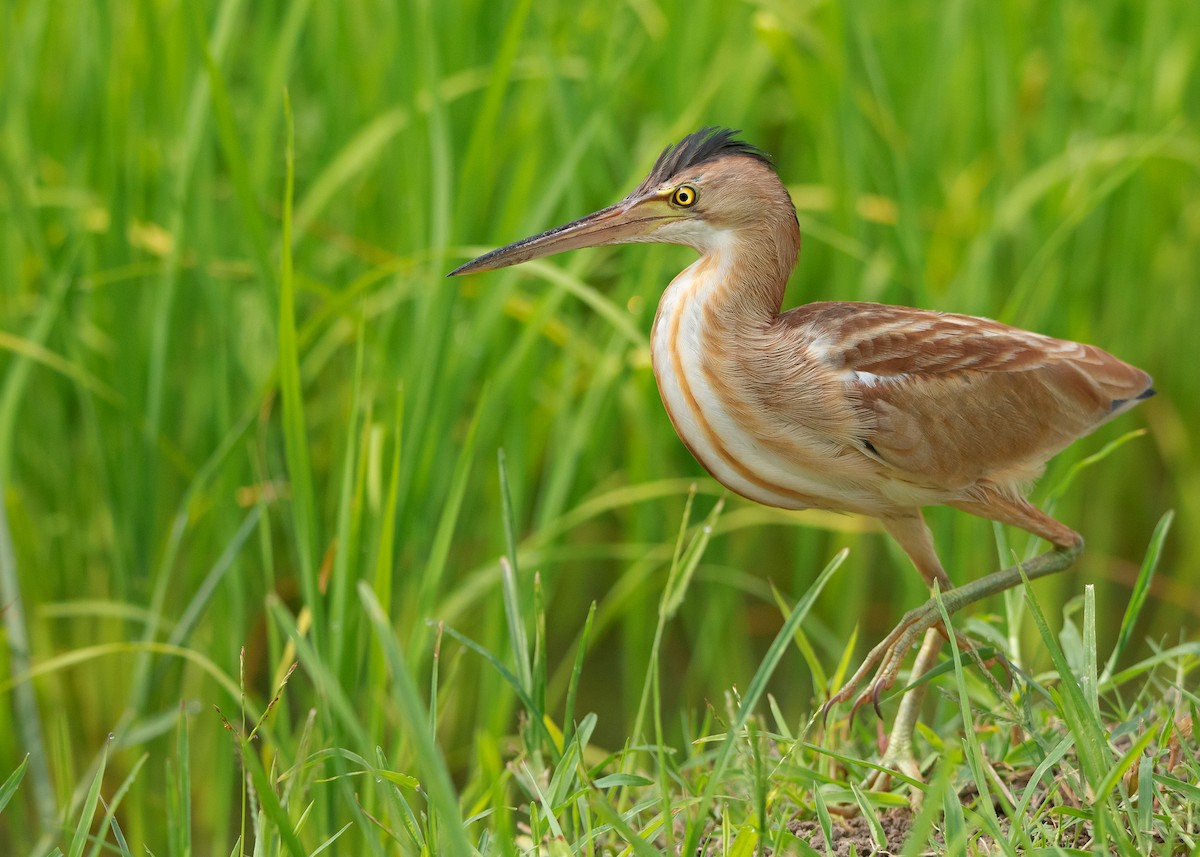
point(885, 659)
point(889, 655)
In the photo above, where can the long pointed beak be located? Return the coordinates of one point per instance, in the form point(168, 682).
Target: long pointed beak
point(624, 223)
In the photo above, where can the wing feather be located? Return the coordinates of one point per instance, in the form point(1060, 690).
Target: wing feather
point(951, 400)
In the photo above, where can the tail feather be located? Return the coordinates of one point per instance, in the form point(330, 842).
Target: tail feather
point(1122, 404)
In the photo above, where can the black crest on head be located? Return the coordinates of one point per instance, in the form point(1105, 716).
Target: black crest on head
point(703, 146)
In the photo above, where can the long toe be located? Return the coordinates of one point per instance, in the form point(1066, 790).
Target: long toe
point(884, 680)
point(885, 659)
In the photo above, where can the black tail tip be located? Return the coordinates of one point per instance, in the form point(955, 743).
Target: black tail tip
point(1117, 404)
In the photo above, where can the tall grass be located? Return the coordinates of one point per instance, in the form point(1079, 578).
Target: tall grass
point(246, 423)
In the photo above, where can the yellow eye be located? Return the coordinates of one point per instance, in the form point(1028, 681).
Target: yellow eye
point(685, 196)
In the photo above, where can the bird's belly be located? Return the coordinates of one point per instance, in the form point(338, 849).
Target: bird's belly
point(730, 436)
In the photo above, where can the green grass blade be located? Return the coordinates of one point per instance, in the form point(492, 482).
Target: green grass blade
point(1061, 487)
point(606, 811)
point(1145, 799)
point(683, 565)
point(871, 817)
point(1051, 759)
point(1083, 721)
point(757, 687)
point(268, 800)
point(110, 810)
point(1088, 680)
point(576, 675)
point(274, 80)
point(328, 843)
point(28, 716)
point(443, 538)
point(295, 430)
point(820, 680)
point(540, 655)
point(232, 149)
point(974, 753)
point(681, 573)
point(564, 779)
point(509, 573)
point(1141, 588)
point(182, 788)
point(824, 820)
point(547, 807)
point(954, 823)
point(1190, 791)
point(119, 836)
point(428, 758)
point(348, 526)
point(357, 155)
point(340, 707)
point(9, 788)
point(843, 665)
point(204, 592)
point(536, 715)
point(87, 812)
point(1128, 759)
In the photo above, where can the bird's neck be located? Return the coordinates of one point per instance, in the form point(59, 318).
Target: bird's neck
point(741, 276)
point(727, 300)
point(713, 333)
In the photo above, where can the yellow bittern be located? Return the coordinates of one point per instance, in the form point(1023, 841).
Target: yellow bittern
point(859, 407)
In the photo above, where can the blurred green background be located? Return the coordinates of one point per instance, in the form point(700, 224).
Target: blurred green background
point(1035, 162)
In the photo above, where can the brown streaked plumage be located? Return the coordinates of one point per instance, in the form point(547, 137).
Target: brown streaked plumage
point(860, 407)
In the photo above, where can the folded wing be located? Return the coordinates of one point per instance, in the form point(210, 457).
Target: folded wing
point(952, 400)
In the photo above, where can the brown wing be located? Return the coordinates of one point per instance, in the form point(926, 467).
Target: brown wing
point(954, 399)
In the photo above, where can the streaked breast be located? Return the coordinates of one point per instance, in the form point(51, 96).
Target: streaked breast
point(698, 353)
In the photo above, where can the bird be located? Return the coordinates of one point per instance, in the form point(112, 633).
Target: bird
point(845, 405)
